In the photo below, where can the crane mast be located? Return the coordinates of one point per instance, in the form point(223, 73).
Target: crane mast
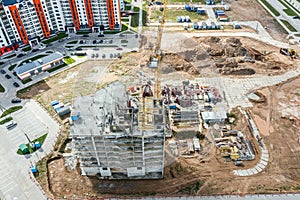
point(158, 53)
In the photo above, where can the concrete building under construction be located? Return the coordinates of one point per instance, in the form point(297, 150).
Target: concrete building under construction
point(118, 136)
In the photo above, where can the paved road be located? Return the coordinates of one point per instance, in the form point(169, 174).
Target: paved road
point(10, 90)
point(280, 7)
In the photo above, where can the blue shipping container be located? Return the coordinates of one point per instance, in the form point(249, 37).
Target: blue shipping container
point(188, 7)
point(172, 106)
point(55, 102)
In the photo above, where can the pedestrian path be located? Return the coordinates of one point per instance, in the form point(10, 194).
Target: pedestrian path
point(264, 151)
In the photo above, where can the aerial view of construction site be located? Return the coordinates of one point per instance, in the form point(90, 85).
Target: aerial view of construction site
point(207, 104)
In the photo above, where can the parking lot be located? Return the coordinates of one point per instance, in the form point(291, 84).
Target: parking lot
point(27, 123)
point(15, 177)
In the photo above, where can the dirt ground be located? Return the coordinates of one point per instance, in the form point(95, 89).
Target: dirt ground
point(84, 79)
point(249, 10)
point(216, 56)
point(210, 174)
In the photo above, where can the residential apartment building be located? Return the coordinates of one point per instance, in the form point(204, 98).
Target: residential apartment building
point(25, 22)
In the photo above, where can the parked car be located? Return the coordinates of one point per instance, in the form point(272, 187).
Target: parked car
point(296, 17)
point(78, 49)
point(97, 55)
point(85, 36)
point(2, 71)
point(7, 76)
point(100, 35)
point(119, 48)
point(20, 55)
point(10, 125)
point(16, 100)
point(94, 41)
point(1, 63)
point(16, 84)
point(35, 50)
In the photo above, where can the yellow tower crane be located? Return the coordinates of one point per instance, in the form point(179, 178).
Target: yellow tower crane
point(158, 54)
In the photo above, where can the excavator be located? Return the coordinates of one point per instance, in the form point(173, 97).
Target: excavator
point(289, 52)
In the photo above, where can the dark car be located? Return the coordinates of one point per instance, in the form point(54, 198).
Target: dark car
point(20, 55)
point(2, 71)
point(78, 48)
point(1, 63)
point(7, 76)
point(48, 45)
point(16, 100)
point(35, 50)
point(100, 35)
point(81, 42)
point(95, 42)
point(85, 36)
point(296, 17)
point(16, 84)
point(101, 41)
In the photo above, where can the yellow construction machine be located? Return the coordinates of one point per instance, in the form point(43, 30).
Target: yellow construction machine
point(289, 52)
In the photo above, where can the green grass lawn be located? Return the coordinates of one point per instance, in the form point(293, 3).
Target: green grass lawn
point(40, 139)
point(68, 60)
point(136, 9)
point(58, 37)
point(273, 10)
point(27, 48)
point(172, 14)
point(73, 42)
point(33, 58)
point(10, 56)
point(83, 32)
point(289, 12)
point(11, 110)
point(56, 68)
point(2, 89)
point(127, 8)
point(288, 25)
point(12, 67)
point(26, 80)
point(5, 120)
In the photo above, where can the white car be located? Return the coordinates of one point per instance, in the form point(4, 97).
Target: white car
point(10, 125)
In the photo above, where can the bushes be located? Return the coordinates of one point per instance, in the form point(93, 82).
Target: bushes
point(11, 110)
point(5, 120)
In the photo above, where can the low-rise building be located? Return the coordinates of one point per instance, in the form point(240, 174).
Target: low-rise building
point(41, 65)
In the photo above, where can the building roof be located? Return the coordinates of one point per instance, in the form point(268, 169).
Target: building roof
point(214, 115)
point(32, 65)
point(10, 2)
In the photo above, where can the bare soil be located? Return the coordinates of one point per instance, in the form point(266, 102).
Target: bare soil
point(209, 173)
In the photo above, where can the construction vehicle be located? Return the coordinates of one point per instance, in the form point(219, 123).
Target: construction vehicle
point(289, 52)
